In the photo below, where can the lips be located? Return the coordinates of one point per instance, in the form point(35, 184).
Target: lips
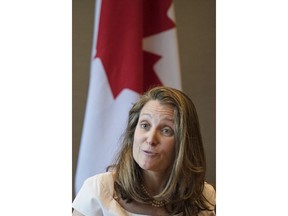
point(149, 153)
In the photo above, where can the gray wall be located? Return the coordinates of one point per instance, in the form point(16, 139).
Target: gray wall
point(196, 27)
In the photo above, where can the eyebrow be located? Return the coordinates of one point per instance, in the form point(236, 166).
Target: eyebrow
point(165, 118)
point(148, 114)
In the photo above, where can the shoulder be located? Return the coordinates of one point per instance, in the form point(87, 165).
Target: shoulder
point(95, 195)
point(102, 178)
point(100, 182)
point(208, 188)
point(209, 193)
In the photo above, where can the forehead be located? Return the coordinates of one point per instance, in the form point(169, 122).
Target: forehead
point(155, 107)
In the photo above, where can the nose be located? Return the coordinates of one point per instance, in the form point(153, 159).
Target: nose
point(152, 137)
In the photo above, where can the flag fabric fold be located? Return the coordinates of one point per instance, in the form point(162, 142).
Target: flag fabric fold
point(134, 48)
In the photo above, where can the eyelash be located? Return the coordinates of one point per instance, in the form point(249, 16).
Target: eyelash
point(165, 131)
point(144, 125)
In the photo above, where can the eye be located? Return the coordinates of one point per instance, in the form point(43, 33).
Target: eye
point(167, 131)
point(144, 125)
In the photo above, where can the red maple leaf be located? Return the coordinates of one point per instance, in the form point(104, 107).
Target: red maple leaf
point(122, 27)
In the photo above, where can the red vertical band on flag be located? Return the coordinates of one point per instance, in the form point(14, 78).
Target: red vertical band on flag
point(122, 26)
point(156, 20)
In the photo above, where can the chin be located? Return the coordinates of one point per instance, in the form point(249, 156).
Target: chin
point(147, 167)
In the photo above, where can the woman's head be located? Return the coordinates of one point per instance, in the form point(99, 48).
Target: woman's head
point(187, 167)
point(188, 141)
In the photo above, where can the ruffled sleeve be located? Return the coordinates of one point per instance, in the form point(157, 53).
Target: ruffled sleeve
point(210, 194)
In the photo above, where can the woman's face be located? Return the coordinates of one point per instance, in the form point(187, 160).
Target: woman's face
point(154, 141)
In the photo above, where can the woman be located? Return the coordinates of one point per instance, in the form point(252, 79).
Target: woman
point(160, 168)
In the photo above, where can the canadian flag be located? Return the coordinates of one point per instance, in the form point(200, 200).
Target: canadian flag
point(134, 48)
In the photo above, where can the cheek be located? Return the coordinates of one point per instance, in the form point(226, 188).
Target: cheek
point(136, 139)
point(170, 152)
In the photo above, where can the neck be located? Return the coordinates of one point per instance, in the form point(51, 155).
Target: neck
point(154, 182)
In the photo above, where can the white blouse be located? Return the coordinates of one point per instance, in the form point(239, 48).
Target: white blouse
point(95, 198)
